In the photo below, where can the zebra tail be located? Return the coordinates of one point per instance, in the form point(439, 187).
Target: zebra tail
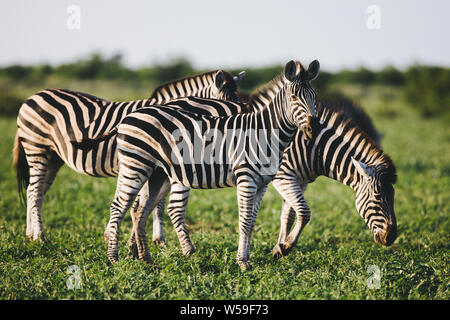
point(22, 169)
point(87, 144)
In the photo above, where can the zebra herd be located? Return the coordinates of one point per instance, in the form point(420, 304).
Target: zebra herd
point(199, 132)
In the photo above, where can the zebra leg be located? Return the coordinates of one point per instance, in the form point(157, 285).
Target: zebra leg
point(156, 189)
point(292, 193)
point(303, 216)
point(129, 183)
point(258, 197)
point(42, 173)
point(246, 194)
point(131, 243)
point(176, 209)
point(158, 231)
point(158, 237)
point(287, 219)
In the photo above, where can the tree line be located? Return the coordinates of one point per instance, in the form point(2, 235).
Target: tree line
point(425, 88)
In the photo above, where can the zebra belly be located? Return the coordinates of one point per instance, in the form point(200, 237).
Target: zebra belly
point(98, 161)
point(200, 176)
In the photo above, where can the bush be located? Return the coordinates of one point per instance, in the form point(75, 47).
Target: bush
point(10, 103)
point(16, 72)
point(179, 68)
point(390, 76)
point(96, 67)
point(427, 90)
point(362, 76)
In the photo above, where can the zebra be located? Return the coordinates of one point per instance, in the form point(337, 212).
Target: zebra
point(148, 149)
point(342, 151)
point(177, 208)
point(57, 126)
point(180, 194)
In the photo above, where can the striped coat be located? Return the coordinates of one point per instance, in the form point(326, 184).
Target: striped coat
point(60, 126)
point(340, 150)
point(148, 148)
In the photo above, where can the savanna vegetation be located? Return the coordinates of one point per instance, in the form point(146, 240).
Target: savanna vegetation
point(335, 257)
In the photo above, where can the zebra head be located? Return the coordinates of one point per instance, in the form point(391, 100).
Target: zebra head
point(375, 200)
point(301, 96)
point(225, 85)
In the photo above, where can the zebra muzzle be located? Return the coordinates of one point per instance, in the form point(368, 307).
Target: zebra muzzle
point(386, 236)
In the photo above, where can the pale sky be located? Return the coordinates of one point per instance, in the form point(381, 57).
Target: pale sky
point(229, 33)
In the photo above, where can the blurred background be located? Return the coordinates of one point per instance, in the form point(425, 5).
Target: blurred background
point(388, 56)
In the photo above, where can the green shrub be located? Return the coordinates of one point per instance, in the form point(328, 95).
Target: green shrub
point(178, 68)
point(256, 77)
point(362, 76)
point(427, 90)
point(390, 76)
point(10, 103)
point(16, 72)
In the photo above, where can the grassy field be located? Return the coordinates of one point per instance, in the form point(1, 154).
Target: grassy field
point(331, 260)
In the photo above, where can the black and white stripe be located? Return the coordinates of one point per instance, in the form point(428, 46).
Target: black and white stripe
point(57, 126)
point(340, 150)
point(149, 143)
point(259, 100)
point(291, 187)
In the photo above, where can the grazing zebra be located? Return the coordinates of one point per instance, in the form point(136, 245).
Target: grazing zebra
point(340, 150)
point(167, 145)
point(57, 126)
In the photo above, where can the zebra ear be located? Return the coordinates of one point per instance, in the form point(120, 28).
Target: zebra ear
point(363, 169)
point(290, 70)
point(239, 77)
point(313, 70)
point(219, 80)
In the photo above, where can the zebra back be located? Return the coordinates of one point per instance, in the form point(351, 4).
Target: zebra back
point(354, 112)
point(213, 84)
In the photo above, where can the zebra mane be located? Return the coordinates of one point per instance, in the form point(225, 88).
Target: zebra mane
point(208, 76)
point(344, 126)
point(269, 90)
point(354, 111)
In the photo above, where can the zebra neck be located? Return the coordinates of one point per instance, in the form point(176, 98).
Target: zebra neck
point(274, 113)
point(330, 155)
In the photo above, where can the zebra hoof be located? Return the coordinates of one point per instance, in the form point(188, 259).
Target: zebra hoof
point(133, 250)
point(159, 243)
point(39, 238)
point(189, 252)
point(147, 260)
point(245, 265)
point(113, 259)
point(280, 251)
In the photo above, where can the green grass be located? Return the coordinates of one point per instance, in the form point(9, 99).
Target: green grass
point(330, 261)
